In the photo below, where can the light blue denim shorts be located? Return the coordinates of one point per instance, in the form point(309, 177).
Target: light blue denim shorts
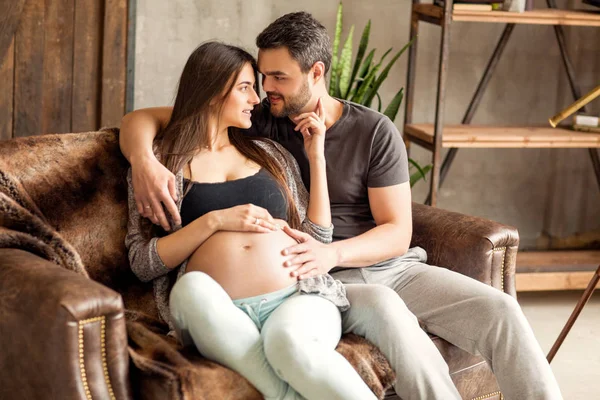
point(260, 307)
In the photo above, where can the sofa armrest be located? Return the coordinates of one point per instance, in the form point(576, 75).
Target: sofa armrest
point(482, 249)
point(63, 335)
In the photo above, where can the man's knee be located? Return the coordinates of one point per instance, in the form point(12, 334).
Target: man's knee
point(375, 301)
point(371, 295)
point(499, 308)
point(378, 310)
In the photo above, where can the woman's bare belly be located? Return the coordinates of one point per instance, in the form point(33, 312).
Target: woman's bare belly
point(245, 264)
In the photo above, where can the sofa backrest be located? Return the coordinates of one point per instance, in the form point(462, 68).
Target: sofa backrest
point(78, 183)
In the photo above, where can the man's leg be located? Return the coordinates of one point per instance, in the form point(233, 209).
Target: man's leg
point(300, 338)
point(204, 313)
point(380, 316)
point(477, 318)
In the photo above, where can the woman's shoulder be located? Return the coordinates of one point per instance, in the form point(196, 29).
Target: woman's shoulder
point(267, 144)
point(275, 150)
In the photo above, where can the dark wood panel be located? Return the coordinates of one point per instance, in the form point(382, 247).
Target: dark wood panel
point(69, 67)
point(29, 70)
point(58, 66)
point(86, 64)
point(10, 14)
point(130, 63)
point(114, 62)
point(7, 65)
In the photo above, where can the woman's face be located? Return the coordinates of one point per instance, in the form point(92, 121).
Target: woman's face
point(237, 108)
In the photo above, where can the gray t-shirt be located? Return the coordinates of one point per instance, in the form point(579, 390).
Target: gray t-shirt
point(363, 149)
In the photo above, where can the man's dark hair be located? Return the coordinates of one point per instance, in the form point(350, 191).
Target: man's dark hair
point(306, 39)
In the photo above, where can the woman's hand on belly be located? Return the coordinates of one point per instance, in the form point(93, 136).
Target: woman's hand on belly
point(244, 218)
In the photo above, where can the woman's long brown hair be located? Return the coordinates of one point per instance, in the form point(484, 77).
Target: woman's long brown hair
point(212, 69)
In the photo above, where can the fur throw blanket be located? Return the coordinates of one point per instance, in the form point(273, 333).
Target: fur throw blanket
point(64, 198)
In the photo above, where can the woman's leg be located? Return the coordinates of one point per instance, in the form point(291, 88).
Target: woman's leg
point(300, 338)
point(204, 313)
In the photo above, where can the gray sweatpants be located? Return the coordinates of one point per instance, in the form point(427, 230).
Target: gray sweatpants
point(467, 313)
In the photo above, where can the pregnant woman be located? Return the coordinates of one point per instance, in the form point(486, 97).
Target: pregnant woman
point(239, 197)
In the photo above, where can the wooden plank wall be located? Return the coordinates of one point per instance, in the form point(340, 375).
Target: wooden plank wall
point(64, 67)
point(10, 14)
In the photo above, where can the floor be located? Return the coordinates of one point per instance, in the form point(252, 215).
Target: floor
point(577, 363)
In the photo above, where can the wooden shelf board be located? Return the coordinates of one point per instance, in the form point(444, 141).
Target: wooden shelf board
point(557, 261)
point(545, 281)
point(555, 270)
point(505, 136)
point(535, 17)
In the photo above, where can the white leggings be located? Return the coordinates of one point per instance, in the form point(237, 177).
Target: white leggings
point(292, 357)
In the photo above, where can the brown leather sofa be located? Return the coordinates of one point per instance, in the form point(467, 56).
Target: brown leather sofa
point(66, 290)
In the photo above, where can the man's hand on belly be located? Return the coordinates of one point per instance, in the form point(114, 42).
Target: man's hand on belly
point(309, 257)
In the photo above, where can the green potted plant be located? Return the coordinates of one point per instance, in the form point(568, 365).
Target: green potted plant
point(360, 81)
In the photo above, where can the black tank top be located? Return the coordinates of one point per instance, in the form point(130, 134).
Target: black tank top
point(260, 189)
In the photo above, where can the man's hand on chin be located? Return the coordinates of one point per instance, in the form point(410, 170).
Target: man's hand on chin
point(309, 257)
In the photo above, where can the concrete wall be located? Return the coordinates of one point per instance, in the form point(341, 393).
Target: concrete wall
point(539, 191)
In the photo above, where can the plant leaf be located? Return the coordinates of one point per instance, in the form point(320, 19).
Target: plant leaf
point(385, 55)
point(345, 65)
point(385, 72)
point(362, 47)
point(367, 84)
point(392, 109)
point(364, 70)
point(336, 44)
point(378, 102)
point(421, 173)
point(370, 101)
point(360, 93)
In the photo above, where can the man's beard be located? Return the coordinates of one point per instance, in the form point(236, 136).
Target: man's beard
point(293, 104)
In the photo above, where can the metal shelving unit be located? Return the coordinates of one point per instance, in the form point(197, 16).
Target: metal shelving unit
point(434, 137)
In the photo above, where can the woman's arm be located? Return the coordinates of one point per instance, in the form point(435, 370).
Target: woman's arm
point(312, 127)
point(150, 256)
point(319, 209)
point(178, 246)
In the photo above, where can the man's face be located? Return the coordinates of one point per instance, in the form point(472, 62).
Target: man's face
point(283, 81)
